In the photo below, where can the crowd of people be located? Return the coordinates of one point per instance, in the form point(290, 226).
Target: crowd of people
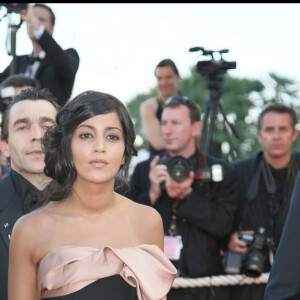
point(74, 224)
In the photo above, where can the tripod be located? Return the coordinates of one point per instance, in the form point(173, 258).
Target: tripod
point(213, 71)
point(210, 116)
point(11, 36)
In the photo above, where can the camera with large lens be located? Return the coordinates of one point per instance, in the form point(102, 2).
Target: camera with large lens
point(15, 7)
point(178, 167)
point(252, 262)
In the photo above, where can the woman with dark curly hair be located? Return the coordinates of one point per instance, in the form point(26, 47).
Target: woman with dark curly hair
point(87, 241)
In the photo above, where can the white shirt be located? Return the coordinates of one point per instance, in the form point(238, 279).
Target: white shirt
point(32, 68)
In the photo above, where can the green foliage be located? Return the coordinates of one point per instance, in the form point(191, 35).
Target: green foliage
point(241, 101)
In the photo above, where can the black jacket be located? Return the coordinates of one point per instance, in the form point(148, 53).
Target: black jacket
point(57, 70)
point(254, 199)
point(204, 218)
point(10, 211)
point(17, 197)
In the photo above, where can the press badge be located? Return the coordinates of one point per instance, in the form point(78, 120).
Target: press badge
point(173, 246)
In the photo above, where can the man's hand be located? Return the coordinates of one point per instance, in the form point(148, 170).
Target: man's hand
point(180, 189)
point(236, 245)
point(33, 23)
point(158, 173)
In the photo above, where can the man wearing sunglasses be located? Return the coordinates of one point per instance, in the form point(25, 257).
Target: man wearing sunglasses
point(197, 210)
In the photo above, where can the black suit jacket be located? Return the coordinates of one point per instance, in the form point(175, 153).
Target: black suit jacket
point(284, 279)
point(10, 212)
point(57, 70)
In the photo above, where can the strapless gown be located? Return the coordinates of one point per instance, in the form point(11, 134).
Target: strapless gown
point(78, 273)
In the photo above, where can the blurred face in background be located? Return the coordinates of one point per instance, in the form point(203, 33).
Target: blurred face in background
point(276, 134)
point(167, 81)
point(178, 131)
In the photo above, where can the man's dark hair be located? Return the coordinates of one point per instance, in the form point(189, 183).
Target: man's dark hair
point(278, 108)
point(57, 140)
point(167, 63)
point(19, 80)
point(49, 9)
point(194, 108)
point(27, 94)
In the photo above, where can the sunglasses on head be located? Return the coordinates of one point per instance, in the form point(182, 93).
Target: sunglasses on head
point(183, 100)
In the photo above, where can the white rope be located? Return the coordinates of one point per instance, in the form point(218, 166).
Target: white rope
point(221, 280)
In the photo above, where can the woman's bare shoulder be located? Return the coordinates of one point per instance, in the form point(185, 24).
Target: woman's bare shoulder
point(30, 223)
point(31, 232)
point(29, 219)
point(140, 212)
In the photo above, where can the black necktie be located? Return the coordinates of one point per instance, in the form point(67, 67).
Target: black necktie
point(31, 200)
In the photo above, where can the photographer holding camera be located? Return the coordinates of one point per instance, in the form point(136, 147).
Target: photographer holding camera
point(265, 185)
point(53, 67)
point(195, 195)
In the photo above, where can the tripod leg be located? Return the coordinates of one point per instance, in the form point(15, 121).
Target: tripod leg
point(221, 106)
point(208, 127)
point(204, 136)
point(211, 128)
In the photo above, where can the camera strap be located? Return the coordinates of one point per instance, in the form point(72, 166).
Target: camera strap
point(277, 209)
point(172, 229)
point(173, 243)
point(279, 203)
point(263, 170)
point(251, 194)
point(201, 159)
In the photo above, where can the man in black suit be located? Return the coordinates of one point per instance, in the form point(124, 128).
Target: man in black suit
point(24, 122)
point(265, 186)
point(284, 277)
point(52, 66)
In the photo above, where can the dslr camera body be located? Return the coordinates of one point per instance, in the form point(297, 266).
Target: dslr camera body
point(179, 168)
point(253, 261)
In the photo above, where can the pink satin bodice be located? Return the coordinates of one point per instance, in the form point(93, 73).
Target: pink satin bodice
point(67, 269)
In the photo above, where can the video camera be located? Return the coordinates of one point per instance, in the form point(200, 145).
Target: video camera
point(252, 262)
point(213, 67)
point(15, 7)
point(179, 168)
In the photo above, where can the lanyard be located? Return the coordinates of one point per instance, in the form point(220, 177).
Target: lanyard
point(172, 229)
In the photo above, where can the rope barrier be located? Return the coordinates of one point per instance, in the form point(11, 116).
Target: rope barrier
point(221, 280)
